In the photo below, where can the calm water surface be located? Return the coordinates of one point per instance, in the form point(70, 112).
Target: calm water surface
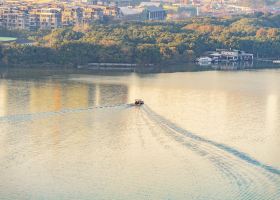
point(200, 136)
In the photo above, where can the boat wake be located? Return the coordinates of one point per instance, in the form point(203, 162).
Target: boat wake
point(253, 179)
point(39, 115)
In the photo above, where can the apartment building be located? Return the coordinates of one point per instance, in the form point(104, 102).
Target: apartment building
point(34, 19)
point(50, 18)
point(71, 15)
point(91, 13)
point(13, 18)
point(22, 15)
point(113, 12)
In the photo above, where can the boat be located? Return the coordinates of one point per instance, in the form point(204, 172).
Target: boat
point(276, 61)
point(138, 102)
point(204, 61)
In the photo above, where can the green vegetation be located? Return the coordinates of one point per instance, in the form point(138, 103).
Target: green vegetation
point(148, 42)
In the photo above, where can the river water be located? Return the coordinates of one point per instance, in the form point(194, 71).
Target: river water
point(199, 136)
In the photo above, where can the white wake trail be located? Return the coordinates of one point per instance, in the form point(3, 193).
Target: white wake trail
point(254, 179)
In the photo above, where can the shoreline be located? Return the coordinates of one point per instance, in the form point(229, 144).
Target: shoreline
point(164, 68)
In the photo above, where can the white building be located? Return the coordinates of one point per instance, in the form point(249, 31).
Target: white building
point(143, 13)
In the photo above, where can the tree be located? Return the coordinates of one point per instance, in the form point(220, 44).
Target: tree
point(147, 54)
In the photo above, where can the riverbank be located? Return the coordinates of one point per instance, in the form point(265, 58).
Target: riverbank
point(34, 71)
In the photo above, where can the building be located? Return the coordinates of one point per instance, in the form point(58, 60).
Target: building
point(45, 18)
point(50, 18)
point(111, 11)
point(36, 16)
point(108, 11)
point(34, 20)
point(91, 14)
point(154, 13)
point(142, 13)
point(132, 13)
point(231, 55)
point(13, 18)
point(71, 16)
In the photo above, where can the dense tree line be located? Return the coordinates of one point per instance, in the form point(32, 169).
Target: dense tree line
point(148, 42)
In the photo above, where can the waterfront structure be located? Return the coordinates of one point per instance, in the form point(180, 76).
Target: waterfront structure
point(204, 61)
point(236, 55)
point(230, 55)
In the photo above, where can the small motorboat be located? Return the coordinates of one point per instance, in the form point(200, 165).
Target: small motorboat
point(138, 102)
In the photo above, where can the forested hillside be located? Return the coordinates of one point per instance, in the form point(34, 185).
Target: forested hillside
point(149, 42)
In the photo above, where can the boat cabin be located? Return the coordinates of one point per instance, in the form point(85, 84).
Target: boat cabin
point(138, 102)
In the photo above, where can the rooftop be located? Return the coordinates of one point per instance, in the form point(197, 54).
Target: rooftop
point(130, 10)
point(145, 4)
point(153, 8)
